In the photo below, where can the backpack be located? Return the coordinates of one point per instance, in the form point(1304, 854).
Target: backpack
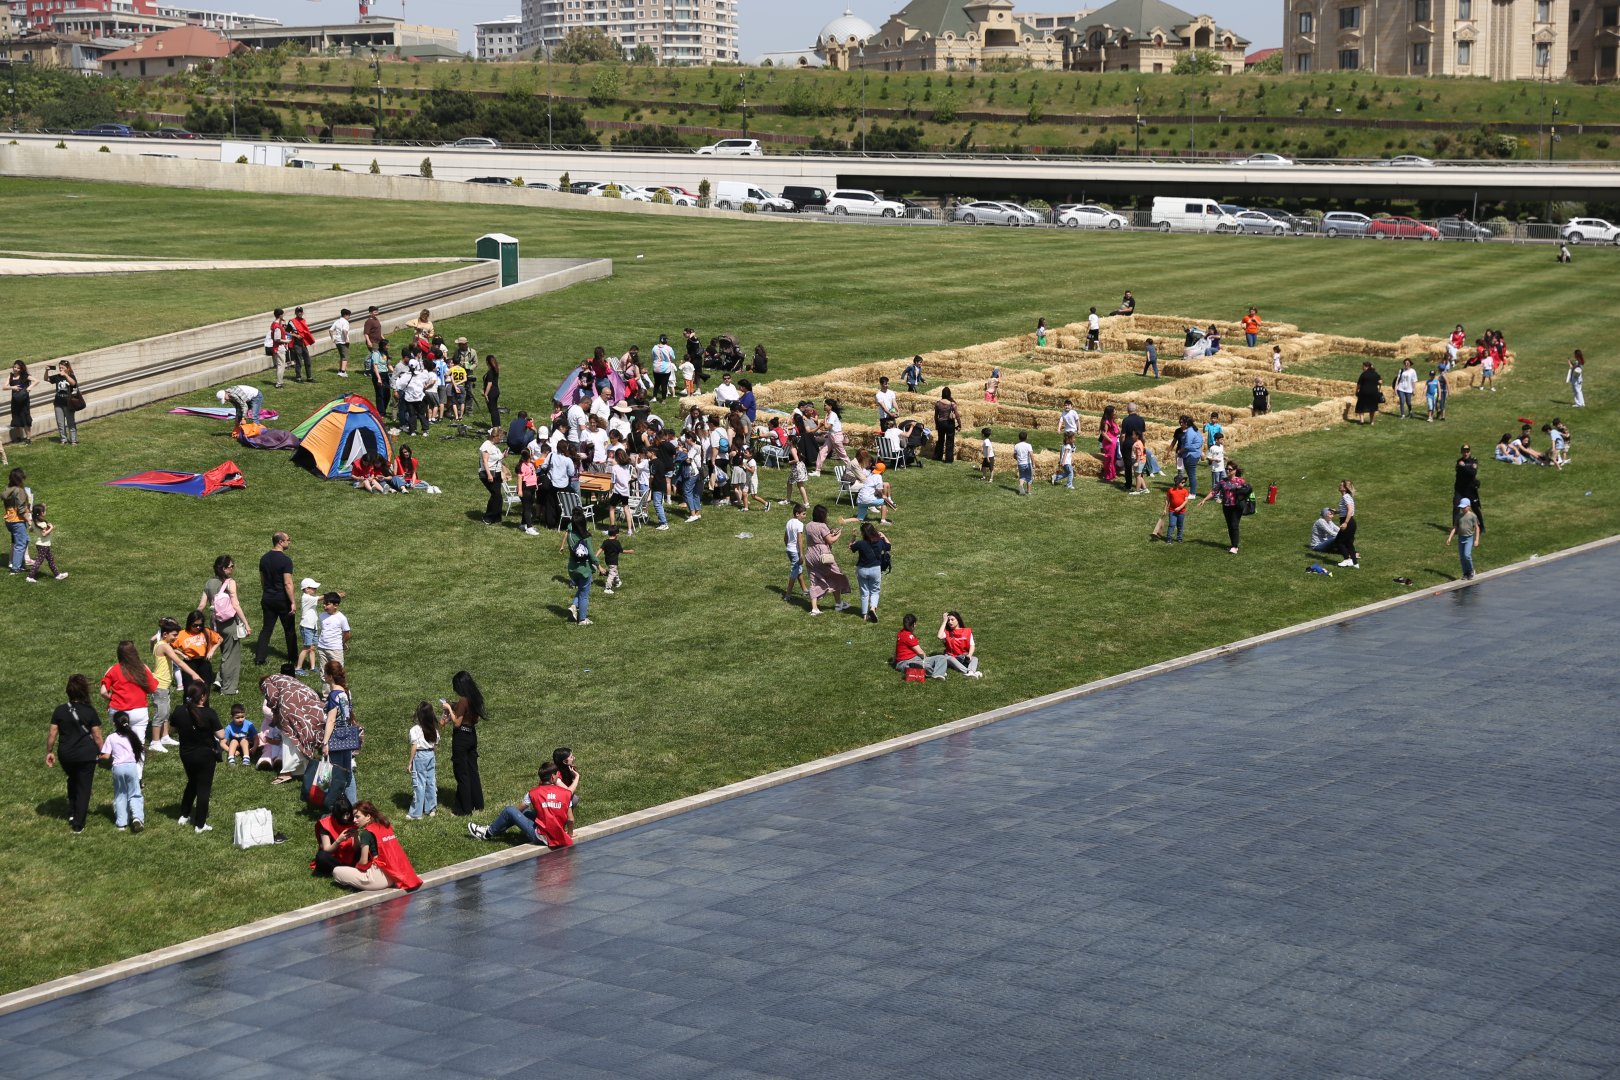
point(224, 607)
point(885, 562)
point(270, 342)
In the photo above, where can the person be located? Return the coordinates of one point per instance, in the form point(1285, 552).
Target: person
point(270, 740)
point(299, 338)
point(987, 457)
point(276, 345)
point(422, 763)
point(546, 815)
point(1040, 332)
point(1577, 370)
point(913, 375)
point(1262, 399)
point(1507, 449)
point(20, 383)
point(870, 552)
point(123, 754)
point(380, 369)
point(202, 744)
point(726, 393)
point(295, 710)
point(66, 400)
point(888, 408)
point(379, 860)
point(1521, 446)
point(19, 508)
point(1191, 451)
point(341, 737)
point(688, 374)
point(334, 838)
point(126, 685)
point(1465, 485)
point(463, 717)
point(1469, 534)
point(1487, 368)
point(1431, 394)
point(1212, 340)
point(1234, 492)
point(1276, 359)
point(332, 640)
point(198, 646)
point(1175, 509)
point(872, 491)
point(1024, 458)
point(825, 576)
point(44, 546)
point(1150, 359)
point(908, 651)
point(1323, 530)
point(1127, 305)
point(1405, 387)
point(793, 538)
point(1093, 332)
point(529, 485)
point(1217, 457)
point(959, 645)
point(1368, 393)
point(947, 417)
point(492, 389)
point(221, 605)
point(1139, 467)
point(276, 597)
point(1345, 542)
point(663, 366)
point(992, 386)
point(241, 737)
point(309, 627)
point(582, 566)
point(1559, 454)
point(612, 551)
point(423, 325)
point(1107, 446)
point(1133, 429)
point(73, 740)
point(491, 472)
point(834, 446)
point(1065, 469)
point(1251, 328)
point(339, 333)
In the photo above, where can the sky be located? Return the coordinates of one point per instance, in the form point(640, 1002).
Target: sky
point(763, 25)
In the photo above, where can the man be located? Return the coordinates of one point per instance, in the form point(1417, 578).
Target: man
point(340, 341)
point(1132, 429)
point(275, 343)
point(1152, 359)
point(371, 330)
point(276, 598)
point(1093, 332)
point(726, 394)
point(299, 338)
point(914, 374)
point(887, 406)
point(1469, 533)
point(1324, 529)
point(519, 433)
point(1127, 306)
point(413, 400)
point(577, 418)
point(248, 401)
point(546, 816)
point(663, 367)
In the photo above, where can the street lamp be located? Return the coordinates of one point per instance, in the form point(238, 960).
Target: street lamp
point(742, 89)
point(376, 74)
point(1138, 121)
point(11, 66)
point(545, 46)
point(862, 50)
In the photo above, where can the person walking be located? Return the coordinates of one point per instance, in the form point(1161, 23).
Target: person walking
point(463, 717)
point(277, 598)
point(871, 552)
point(1150, 359)
point(221, 605)
point(825, 576)
point(947, 418)
point(67, 401)
point(1369, 393)
point(73, 741)
point(1577, 368)
point(339, 332)
point(1234, 492)
point(21, 385)
point(582, 565)
point(202, 746)
point(1251, 328)
point(491, 472)
point(1466, 485)
point(123, 753)
point(1469, 533)
point(1405, 387)
point(1190, 451)
point(1345, 542)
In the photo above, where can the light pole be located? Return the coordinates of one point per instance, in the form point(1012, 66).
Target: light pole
point(11, 66)
point(545, 44)
point(1138, 121)
point(742, 89)
point(376, 72)
point(230, 67)
point(862, 51)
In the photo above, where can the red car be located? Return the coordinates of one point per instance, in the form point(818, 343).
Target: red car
point(1401, 228)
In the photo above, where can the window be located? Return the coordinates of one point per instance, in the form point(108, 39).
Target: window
point(1611, 16)
point(1606, 58)
point(1420, 57)
point(1349, 59)
point(1574, 16)
point(1420, 10)
point(1302, 62)
point(1465, 53)
point(1543, 55)
point(1307, 22)
point(1465, 9)
point(1543, 10)
point(1350, 18)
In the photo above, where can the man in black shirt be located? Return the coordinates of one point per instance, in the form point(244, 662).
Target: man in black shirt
point(276, 598)
point(1131, 429)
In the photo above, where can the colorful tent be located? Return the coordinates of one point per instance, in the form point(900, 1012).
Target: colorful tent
point(569, 391)
point(223, 476)
point(340, 431)
point(260, 437)
point(213, 413)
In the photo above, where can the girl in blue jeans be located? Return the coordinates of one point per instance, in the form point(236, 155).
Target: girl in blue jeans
point(582, 565)
point(422, 763)
point(17, 499)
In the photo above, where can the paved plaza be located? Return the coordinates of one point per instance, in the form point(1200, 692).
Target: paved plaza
point(1385, 849)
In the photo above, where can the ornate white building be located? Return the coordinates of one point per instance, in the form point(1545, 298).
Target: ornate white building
point(1493, 39)
point(940, 35)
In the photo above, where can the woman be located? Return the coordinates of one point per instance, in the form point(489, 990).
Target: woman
point(492, 388)
point(463, 718)
point(66, 401)
point(582, 565)
point(221, 606)
point(1577, 367)
point(22, 414)
point(1108, 445)
point(1234, 492)
point(124, 755)
point(491, 472)
point(423, 325)
point(202, 745)
point(296, 711)
point(869, 551)
point(959, 645)
point(126, 685)
point(1466, 485)
point(17, 502)
point(761, 361)
point(834, 446)
point(1506, 451)
point(947, 418)
point(379, 861)
point(908, 651)
point(334, 838)
point(341, 737)
point(825, 576)
point(199, 645)
point(422, 763)
point(1345, 542)
point(74, 740)
point(1368, 394)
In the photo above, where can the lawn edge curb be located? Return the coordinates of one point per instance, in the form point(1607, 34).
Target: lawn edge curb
point(69, 985)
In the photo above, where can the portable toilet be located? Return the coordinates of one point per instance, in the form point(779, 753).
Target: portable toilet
point(504, 250)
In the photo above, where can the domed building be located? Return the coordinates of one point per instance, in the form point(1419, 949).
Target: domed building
point(841, 40)
point(941, 35)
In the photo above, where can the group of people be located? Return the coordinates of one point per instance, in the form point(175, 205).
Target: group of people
point(1519, 449)
point(67, 401)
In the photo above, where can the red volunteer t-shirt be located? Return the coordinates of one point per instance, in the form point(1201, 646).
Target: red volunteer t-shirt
point(906, 647)
point(550, 805)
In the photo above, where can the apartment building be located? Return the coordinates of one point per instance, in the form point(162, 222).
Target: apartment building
point(1493, 39)
point(498, 39)
point(677, 31)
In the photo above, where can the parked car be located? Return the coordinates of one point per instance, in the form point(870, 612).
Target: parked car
point(1263, 161)
point(1455, 228)
point(916, 210)
point(1086, 216)
point(678, 195)
point(805, 197)
point(1345, 223)
point(1407, 161)
point(489, 180)
point(1030, 217)
point(107, 131)
point(989, 213)
point(858, 201)
point(1263, 221)
point(174, 133)
point(735, 194)
point(734, 148)
point(583, 187)
point(1580, 230)
point(1402, 228)
point(627, 192)
point(1190, 214)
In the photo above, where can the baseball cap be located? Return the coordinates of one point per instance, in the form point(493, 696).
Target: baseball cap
point(309, 583)
point(1464, 504)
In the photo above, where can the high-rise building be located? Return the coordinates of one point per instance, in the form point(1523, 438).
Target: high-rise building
point(676, 31)
point(1493, 39)
point(498, 39)
point(48, 14)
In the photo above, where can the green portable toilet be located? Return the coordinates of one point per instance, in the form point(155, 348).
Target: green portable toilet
point(503, 249)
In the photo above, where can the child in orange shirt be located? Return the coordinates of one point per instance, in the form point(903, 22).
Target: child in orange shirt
point(1175, 508)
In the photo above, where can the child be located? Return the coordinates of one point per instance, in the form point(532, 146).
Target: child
point(1175, 508)
point(43, 556)
point(458, 391)
point(309, 626)
point(1262, 399)
point(334, 629)
point(1560, 444)
point(1093, 332)
point(240, 736)
point(1066, 461)
point(797, 474)
point(1276, 358)
point(688, 374)
point(1139, 466)
point(987, 458)
point(1024, 458)
point(1445, 392)
point(1215, 454)
point(1487, 371)
point(992, 385)
point(1040, 334)
point(1213, 428)
point(611, 550)
point(738, 476)
point(750, 484)
point(1431, 393)
point(422, 763)
point(269, 747)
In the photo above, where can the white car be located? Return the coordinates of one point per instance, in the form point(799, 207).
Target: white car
point(856, 201)
point(734, 148)
point(1089, 217)
point(1263, 161)
point(1579, 230)
point(474, 142)
point(627, 192)
point(1408, 161)
point(1258, 221)
point(1029, 216)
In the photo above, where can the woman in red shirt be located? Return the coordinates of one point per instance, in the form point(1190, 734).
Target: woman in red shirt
point(908, 652)
point(959, 645)
point(380, 862)
point(126, 686)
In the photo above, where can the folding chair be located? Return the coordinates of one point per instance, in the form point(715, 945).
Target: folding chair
point(845, 489)
point(567, 504)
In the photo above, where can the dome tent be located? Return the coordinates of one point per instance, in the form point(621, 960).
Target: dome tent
point(340, 431)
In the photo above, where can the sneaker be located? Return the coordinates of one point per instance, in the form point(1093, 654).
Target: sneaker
point(662, 528)
point(841, 606)
point(815, 611)
point(158, 748)
point(607, 592)
point(343, 374)
point(203, 829)
point(477, 831)
point(573, 611)
point(531, 531)
point(169, 740)
point(300, 672)
point(586, 622)
point(120, 828)
point(1347, 562)
point(61, 576)
point(694, 517)
point(136, 826)
point(184, 820)
point(31, 580)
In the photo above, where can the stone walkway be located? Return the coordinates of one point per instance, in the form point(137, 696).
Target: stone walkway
point(1386, 849)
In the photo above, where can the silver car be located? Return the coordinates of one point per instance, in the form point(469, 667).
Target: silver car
point(992, 213)
point(1261, 221)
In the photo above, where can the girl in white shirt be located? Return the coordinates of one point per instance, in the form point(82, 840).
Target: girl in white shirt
point(622, 475)
point(422, 763)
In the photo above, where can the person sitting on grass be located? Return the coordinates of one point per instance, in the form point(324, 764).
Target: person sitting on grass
point(1526, 452)
point(1324, 530)
point(1507, 450)
point(241, 737)
point(959, 645)
point(908, 651)
point(545, 817)
point(379, 860)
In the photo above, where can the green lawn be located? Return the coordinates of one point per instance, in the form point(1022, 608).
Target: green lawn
point(1239, 398)
point(697, 674)
point(1123, 383)
point(126, 307)
point(1346, 368)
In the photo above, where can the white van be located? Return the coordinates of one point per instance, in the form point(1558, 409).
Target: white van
point(1190, 215)
point(731, 194)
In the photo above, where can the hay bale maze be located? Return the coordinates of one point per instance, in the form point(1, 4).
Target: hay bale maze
point(1035, 382)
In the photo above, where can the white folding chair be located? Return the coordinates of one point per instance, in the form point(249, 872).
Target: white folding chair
point(845, 489)
point(567, 504)
point(509, 497)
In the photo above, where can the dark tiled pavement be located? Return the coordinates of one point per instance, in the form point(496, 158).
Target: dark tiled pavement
point(1385, 849)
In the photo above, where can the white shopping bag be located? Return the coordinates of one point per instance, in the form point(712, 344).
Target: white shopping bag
point(254, 828)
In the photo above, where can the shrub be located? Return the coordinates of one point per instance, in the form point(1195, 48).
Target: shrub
point(374, 169)
point(241, 159)
point(426, 168)
point(704, 188)
point(563, 183)
point(104, 150)
point(60, 145)
point(663, 198)
point(518, 182)
point(750, 208)
point(336, 167)
point(612, 191)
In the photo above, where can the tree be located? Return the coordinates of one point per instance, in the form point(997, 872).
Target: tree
point(945, 107)
point(605, 85)
point(644, 54)
point(1271, 65)
point(587, 45)
point(655, 136)
point(1196, 62)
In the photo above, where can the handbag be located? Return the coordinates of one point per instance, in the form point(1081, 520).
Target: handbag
point(75, 401)
point(915, 674)
point(344, 737)
point(254, 828)
point(317, 787)
point(239, 628)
